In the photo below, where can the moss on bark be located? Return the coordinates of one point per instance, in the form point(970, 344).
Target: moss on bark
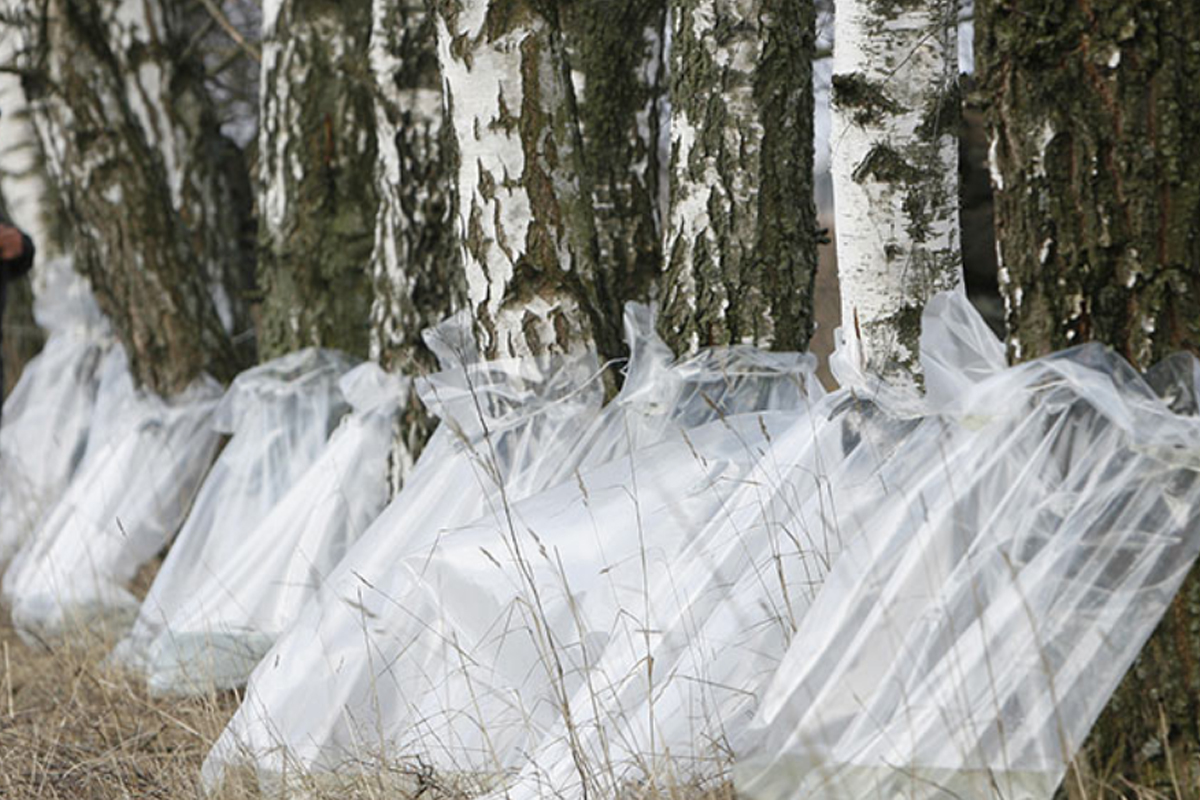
point(741, 239)
point(1096, 151)
point(318, 155)
point(615, 53)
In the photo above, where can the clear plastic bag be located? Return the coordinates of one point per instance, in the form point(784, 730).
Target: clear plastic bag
point(45, 423)
point(970, 634)
point(507, 429)
point(234, 615)
point(685, 657)
point(386, 643)
point(279, 416)
point(145, 460)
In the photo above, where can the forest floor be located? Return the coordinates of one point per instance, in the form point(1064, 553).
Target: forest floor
point(73, 727)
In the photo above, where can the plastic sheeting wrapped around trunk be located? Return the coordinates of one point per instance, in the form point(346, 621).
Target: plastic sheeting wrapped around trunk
point(145, 460)
point(256, 590)
point(983, 614)
point(424, 596)
point(279, 416)
point(46, 419)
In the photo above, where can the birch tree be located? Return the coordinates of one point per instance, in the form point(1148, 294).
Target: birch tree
point(895, 178)
point(525, 224)
point(415, 269)
point(1095, 156)
point(617, 54)
point(741, 230)
point(317, 155)
point(131, 142)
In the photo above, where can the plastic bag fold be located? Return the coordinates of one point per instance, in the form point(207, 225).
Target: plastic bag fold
point(279, 416)
point(45, 422)
point(145, 460)
point(385, 644)
point(254, 591)
point(969, 636)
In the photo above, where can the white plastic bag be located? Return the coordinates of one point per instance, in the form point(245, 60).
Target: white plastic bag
point(279, 415)
point(258, 587)
point(145, 461)
point(686, 655)
point(507, 429)
point(386, 642)
point(44, 426)
point(968, 638)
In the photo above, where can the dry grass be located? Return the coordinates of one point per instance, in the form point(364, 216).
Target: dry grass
point(72, 727)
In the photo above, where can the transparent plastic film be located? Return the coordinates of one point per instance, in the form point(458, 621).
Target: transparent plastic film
point(279, 416)
point(426, 660)
point(227, 624)
point(46, 419)
point(976, 625)
point(144, 464)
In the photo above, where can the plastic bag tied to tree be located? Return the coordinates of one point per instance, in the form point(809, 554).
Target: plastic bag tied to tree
point(279, 416)
point(45, 423)
point(144, 463)
point(978, 622)
point(253, 593)
point(379, 644)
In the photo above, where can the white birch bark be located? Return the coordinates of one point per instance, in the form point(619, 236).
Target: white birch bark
point(740, 236)
point(526, 231)
point(124, 122)
point(22, 179)
point(895, 173)
point(415, 271)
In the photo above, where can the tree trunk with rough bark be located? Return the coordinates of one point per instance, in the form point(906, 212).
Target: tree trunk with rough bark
point(741, 233)
point(125, 125)
point(618, 65)
point(1095, 154)
point(415, 268)
point(895, 114)
point(525, 223)
point(317, 155)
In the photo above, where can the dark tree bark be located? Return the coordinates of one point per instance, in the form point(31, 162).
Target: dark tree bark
point(741, 244)
point(317, 155)
point(525, 223)
point(132, 144)
point(22, 338)
point(616, 53)
point(1095, 155)
point(1095, 142)
point(416, 273)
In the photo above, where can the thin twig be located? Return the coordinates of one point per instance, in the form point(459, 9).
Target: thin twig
point(231, 29)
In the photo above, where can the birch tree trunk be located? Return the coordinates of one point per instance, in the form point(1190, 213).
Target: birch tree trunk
point(1095, 155)
point(895, 173)
point(741, 231)
point(125, 126)
point(616, 50)
point(528, 238)
point(317, 155)
point(415, 268)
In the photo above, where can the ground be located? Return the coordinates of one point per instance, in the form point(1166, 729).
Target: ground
point(73, 727)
